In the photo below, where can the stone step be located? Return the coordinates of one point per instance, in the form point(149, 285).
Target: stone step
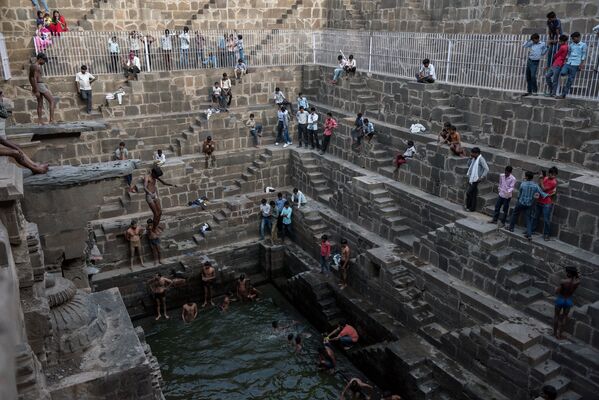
point(395, 220)
point(324, 198)
point(110, 210)
point(546, 370)
point(433, 333)
point(528, 295)
point(569, 395)
point(389, 211)
point(560, 383)
point(406, 239)
point(420, 374)
point(518, 281)
point(542, 310)
point(537, 354)
point(427, 390)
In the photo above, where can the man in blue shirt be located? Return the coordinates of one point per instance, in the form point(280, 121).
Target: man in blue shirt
point(536, 50)
point(302, 101)
point(527, 193)
point(554, 30)
point(577, 54)
point(286, 215)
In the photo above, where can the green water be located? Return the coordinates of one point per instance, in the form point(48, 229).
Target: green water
point(237, 356)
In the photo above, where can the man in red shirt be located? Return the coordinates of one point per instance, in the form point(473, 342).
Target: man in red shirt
point(552, 75)
point(329, 126)
point(346, 335)
point(325, 253)
point(548, 183)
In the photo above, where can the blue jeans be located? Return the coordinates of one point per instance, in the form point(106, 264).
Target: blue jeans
point(337, 74)
point(517, 210)
point(546, 210)
point(551, 50)
point(282, 132)
point(324, 265)
point(265, 225)
point(501, 202)
point(571, 71)
point(531, 75)
point(552, 79)
point(37, 5)
point(241, 55)
point(184, 58)
point(346, 341)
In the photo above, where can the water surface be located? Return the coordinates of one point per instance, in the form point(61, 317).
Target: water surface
point(237, 356)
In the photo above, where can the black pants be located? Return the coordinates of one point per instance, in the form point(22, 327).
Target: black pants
point(501, 202)
point(302, 134)
point(313, 135)
point(114, 62)
point(325, 143)
point(471, 196)
point(286, 232)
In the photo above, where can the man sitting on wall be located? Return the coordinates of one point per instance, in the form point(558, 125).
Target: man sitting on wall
point(426, 74)
point(346, 335)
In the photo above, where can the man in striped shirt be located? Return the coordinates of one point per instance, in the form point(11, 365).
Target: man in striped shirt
point(528, 192)
point(507, 182)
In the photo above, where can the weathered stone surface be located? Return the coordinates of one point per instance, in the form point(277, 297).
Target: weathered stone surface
point(58, 177)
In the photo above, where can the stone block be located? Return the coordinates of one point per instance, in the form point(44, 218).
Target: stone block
point(519, 335)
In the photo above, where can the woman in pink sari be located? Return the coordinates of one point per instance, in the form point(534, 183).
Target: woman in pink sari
point(43, 38)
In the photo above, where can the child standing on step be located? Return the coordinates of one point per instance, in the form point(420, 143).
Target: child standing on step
point(401, 159)
point(255, 129)
point(507, 182)
point(325, 254)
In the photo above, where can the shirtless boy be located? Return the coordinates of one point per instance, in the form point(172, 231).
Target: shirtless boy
point(151, 190)
point(242, 287)
point(154, 238)
point(158, 285)
point(356, 389)
point(133, 236)
point(226, 302)
point(40, 89)
point(190, 311)
point(563, 301)
point(345, 254)
point(208, 277)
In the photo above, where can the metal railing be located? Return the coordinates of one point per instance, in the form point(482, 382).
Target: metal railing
point(4, 64)
point(158, 51)
point(486, 61)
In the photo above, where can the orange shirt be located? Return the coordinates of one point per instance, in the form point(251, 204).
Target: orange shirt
point(349, 330)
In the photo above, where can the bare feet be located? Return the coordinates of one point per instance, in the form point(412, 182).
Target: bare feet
point(205, 304)
point(158, 317)
point(40, 169)
point(166, 316)
point(212, 303)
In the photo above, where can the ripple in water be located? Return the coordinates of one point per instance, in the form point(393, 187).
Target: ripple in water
point(237, 356)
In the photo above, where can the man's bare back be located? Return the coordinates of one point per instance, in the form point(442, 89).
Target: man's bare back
point(190, 312)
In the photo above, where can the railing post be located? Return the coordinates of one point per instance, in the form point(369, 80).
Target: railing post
point(314, 48)
point(447, 69)
point(147, 54)
point(370, 53)
point(4, 58)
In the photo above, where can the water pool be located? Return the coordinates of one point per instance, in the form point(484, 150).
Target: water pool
point(237, 356)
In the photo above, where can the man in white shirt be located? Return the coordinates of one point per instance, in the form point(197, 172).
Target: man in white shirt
point(217, 97)
point(159, 157)
point(298, 198)
point(167, 47)
point(225, 84)
point(184, 40)
point(240, 69)
point(302, 126)
point(350, 67)
point(426, 74)
point(132, 66)
point(114, 49)
point(313, 128)
point(84, 81)
point(280, 99)
point(135, 42)
point(339, 70)
point(265, 224)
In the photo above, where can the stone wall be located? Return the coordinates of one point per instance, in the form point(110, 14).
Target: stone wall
point(462, 16)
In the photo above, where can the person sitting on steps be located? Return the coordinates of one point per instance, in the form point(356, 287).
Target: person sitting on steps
point(426, 74)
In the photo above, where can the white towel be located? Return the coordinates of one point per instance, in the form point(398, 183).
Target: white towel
point(473, 171)
point(417, 128)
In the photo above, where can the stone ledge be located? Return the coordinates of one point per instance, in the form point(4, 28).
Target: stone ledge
point(58, 177)
point(56, 130)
